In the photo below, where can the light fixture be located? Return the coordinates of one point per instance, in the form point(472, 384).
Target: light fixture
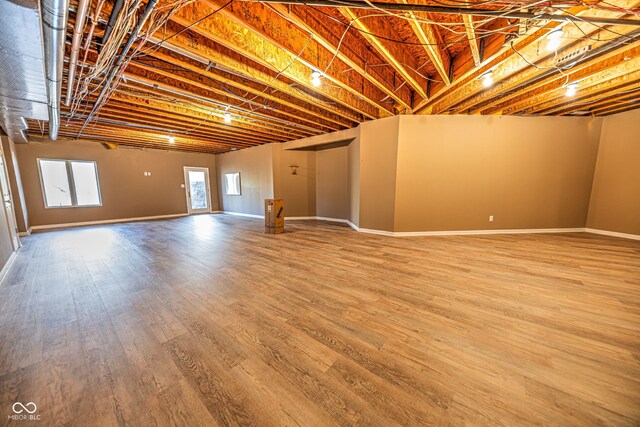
point(487, 79)
point(554, 39)
point(315, 78)
point(227, 117)
point(571, 89)
point(172, 140)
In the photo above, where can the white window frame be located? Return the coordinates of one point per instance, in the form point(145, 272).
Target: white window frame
point(72, 184)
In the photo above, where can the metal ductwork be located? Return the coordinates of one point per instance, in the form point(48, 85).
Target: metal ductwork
point(81, 15)
point(22, 85)
point(54, 28)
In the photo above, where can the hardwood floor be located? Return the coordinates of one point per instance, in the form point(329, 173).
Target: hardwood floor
point(207, 321)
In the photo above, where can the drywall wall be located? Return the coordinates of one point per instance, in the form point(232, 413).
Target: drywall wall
point(17, 192)
point(332, 183)
point(298, 190)
point(126, 192)
point(353, 179)
point(615, 198)
point(378, 162)
point(453, 172)
point(255, 165)
point(6, 247)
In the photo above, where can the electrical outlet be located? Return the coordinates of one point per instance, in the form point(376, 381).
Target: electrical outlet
point(490, 218)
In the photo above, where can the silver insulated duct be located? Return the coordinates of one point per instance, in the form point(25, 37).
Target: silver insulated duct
point(54, 28)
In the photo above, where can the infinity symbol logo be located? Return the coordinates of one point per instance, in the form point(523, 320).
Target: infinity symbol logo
point(19, 407)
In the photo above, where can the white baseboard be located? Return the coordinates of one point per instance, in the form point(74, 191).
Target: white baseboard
point(7, 266)
point(25, 233)
point(322, 218)
point(613, 233)
point(242, 214)
point(470, 232)
point(440, 233)
point(105, 221)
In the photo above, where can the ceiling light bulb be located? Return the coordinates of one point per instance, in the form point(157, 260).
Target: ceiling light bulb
point(572, 89)
point(172, 140)
point(554, 39)
point(227, 118)
point(487, 79)
point(315, 78)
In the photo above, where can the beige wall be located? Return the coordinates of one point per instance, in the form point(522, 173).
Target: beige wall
point(615, 199)
point(378, 160)
point(353, 171)
point(332, 183)
point(6, 248)
point(255, 165)
point(299, 190)
point(126, 193)
point(17, 192)
point(455, 171)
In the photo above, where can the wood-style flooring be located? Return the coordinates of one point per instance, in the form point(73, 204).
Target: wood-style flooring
point(206, 320)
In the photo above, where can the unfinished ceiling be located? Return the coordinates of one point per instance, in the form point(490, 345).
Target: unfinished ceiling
point(216, 75)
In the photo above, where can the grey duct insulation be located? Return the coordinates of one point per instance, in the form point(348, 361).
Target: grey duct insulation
point(81, 16)
point(54, 28)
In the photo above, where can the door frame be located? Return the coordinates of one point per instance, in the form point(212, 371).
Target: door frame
point(12, 221)
point(187, 189)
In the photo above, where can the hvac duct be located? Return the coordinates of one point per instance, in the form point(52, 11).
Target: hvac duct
point(54, 26)
point(83, 5)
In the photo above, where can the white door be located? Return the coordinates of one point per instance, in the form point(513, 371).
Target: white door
point(7, 201)
point(197, 186)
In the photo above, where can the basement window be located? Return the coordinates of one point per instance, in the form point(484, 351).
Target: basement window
point(69, 183)
point(232, 184)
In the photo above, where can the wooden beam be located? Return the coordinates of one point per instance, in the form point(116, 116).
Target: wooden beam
point(609, 82)
point(429, 37)
point(594, 106)
point(186, 108)
point(267, 124)
point(621, 109)
point(517, 74)
point(248, 36)
point(467, 84)
point(359, 57)
point(397, 58)
point(195, 45)
point(609, 67)
point(261, 96)
point(238, 103)
point(472, 38)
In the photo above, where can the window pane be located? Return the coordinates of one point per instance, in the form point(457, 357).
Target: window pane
point(55, 183)
point(198, 188)
point(86, 182)
point(232, 181)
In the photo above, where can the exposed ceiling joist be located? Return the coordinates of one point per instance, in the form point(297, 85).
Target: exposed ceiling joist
point(473, 39)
